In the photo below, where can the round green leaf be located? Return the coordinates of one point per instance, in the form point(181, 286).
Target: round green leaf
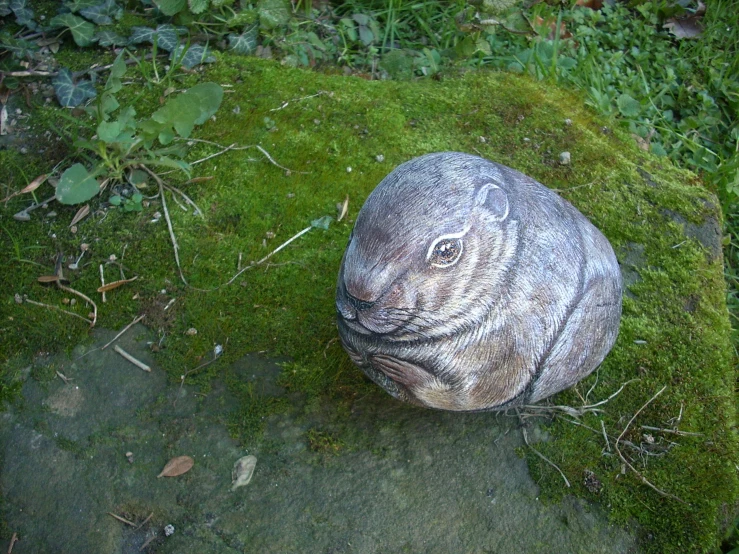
point(76, 185)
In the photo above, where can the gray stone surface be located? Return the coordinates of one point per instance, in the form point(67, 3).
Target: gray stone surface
point(428, 481)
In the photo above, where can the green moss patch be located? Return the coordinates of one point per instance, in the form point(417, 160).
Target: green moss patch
point(339, 137)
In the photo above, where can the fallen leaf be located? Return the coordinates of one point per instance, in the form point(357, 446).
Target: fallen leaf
point(551, 24)
point(243, 471)
point(642, 143)
point(343, 208)
point(197, 180)
point(30, 187)
point(177, 466)
point(115, 284)
point(592, 4)
point(81, 213)
point(684, 27)
point(48, 279)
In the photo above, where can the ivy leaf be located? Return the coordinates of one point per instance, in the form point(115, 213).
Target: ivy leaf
point(170, 7)
point(141, 34)
point(628, 105)
point(198, 6)
point(69, 93)
point(5, 8)
point(76, 5)
point(195, 55)
point(83, 32)
point(105, 37)
point(23, 14)
point(76, 185)
point(102, 14)
point(167, 37)
point(245, 43)
point(19, 48)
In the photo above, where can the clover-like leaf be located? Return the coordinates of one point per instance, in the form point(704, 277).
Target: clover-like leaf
point(69, 93)
point(273, 13)
point(76, 185)
point(198, 6)
point(246, 42)
point(628, 105)
point(170, 7)
point(83, 32)
point(194, 55)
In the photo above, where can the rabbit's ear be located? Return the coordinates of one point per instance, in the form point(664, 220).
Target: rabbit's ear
point(494, 200)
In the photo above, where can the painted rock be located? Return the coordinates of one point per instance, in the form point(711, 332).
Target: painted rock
point(468, 286)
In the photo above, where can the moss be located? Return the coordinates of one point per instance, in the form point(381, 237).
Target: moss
point(674, 330)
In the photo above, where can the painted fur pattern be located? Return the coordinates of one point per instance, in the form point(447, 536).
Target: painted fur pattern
point(469, 286)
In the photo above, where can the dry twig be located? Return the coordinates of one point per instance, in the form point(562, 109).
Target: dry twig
point(628, 464)
point(13, 540)
point(57, 308)
point(122, 519)
point(134, 361)
point(126, 328)
point(144, 522)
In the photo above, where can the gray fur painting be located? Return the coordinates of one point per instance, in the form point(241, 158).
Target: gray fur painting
point(469, 286)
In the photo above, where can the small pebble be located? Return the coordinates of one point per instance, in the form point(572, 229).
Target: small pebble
point(380, 158)
point(564, 158)
point(191, 332)
point(568, 121)
point(482, 139)
point(348, 169)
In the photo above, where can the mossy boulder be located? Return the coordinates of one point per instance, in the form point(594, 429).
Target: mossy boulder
point(339, 137)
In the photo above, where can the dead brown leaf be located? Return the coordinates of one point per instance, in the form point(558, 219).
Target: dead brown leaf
point(177, 466)
point(685, 27)
point(551, 24)
point(592, 4)
point(116, 284)
point(198, 180)
point(30, 187)
point(81, 214)
point(48, 279)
